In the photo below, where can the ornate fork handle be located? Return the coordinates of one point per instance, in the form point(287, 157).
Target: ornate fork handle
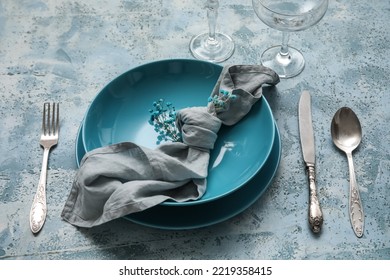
point(39, 208)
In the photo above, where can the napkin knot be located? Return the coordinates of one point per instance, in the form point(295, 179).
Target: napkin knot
point(198, 127)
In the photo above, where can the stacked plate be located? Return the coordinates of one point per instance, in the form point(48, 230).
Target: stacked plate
point(242, 164)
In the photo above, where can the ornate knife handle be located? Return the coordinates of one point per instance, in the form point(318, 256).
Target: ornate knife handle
point(315, 213)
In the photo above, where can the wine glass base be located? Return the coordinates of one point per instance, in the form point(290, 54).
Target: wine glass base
point(217, 50)
point(286, 66)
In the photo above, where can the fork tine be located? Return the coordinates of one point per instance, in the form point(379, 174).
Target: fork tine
point(44, 119)
point(58, 119)
point(48, 119)
point(55, 120)
point(52, 132)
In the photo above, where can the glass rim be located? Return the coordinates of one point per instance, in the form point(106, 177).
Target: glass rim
point(312, 10)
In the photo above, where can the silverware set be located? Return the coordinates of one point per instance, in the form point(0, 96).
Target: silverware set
point(346, 133)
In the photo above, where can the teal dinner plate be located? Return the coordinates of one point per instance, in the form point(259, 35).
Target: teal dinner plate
point(120, 112)
point(213, 212)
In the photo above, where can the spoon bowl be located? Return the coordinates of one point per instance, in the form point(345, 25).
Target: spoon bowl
point(346, 130)
point(347, 134)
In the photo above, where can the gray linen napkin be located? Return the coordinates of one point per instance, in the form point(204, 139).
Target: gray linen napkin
point(124, 178)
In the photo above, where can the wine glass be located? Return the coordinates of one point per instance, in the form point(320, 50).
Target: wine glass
point(288, 16)
point(212, 46)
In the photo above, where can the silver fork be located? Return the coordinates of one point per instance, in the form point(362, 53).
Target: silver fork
point(49, 138)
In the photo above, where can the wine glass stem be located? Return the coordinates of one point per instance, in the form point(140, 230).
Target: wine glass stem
point(212, 14)
point(284, 48)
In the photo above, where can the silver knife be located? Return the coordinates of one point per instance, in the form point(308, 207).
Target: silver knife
point(308, 151)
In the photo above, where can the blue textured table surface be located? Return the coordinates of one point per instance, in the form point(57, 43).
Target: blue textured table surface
point(67, 50)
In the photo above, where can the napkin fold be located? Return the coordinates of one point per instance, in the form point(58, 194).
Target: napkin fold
point(124, 178)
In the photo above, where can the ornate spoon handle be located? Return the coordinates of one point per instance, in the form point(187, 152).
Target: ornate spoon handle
point(315, 214)
point(356, 214)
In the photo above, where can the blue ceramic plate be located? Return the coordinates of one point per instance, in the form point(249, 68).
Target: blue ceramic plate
point(120, 112)
point(206, 214)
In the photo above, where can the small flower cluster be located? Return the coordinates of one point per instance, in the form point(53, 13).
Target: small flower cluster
point(221, 99)
point(163, 118)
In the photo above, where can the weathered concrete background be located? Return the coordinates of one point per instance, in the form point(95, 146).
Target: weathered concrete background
point(68, 50)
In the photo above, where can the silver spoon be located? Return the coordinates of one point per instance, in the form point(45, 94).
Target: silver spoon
point(347, 134)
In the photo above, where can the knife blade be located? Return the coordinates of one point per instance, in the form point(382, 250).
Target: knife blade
point(308, 150)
